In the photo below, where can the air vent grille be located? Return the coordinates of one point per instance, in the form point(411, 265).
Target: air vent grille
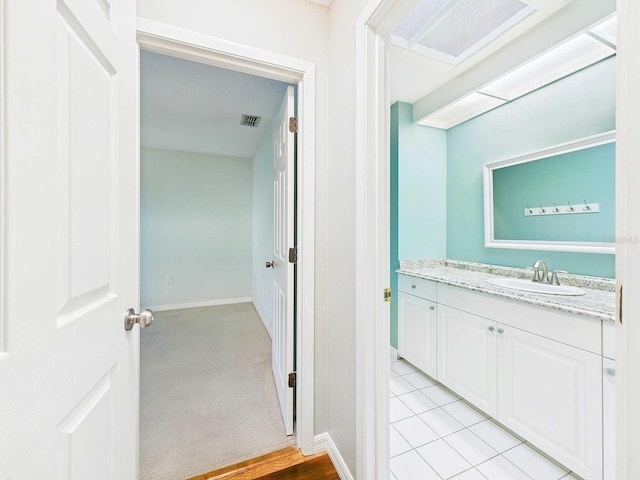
point(250, 120)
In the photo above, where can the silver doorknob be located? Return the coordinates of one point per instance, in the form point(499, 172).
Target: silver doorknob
point(145, 318)
point(268, 264)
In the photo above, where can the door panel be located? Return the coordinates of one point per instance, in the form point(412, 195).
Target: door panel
point(551, 394)
point(69, 371)
point(283, 270)
point(417, 332)
point(467, 357)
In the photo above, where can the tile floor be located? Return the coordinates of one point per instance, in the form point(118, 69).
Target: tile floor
point(435, 435)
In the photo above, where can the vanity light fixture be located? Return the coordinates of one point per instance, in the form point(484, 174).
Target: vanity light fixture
point(462, 110)
point(561, 61)
point(577, 53)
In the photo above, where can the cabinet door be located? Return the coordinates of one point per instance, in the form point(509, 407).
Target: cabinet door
point(551, 394)
point(417, 332)
point(609, 418)
point(467, 356)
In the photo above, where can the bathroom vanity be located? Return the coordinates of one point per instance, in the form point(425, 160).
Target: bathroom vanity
point(542, 365)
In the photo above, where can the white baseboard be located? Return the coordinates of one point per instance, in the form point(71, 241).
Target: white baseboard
point(206, 303)
point(266, 326)
point(394, 353)
point(323, 442)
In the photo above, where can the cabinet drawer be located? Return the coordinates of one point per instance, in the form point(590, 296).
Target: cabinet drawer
point(581, 332)
point(417, 286)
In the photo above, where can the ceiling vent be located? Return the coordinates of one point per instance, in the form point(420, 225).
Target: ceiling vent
point(250, 120)
point(452, 30)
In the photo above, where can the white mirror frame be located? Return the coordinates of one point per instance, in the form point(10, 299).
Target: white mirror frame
point(563, 246)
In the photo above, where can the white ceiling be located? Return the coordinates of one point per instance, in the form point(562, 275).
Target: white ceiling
point(414, 75)
point(194, 107)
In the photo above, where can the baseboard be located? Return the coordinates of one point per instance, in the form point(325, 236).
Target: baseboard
point(324, 442)
point(394, 353)
point(206, 303)
point(266, 327)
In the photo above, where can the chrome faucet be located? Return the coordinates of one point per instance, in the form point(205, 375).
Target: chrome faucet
point(537, 277)
point(543, 276)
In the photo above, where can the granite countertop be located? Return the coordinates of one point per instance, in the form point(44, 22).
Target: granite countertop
point(599, 301)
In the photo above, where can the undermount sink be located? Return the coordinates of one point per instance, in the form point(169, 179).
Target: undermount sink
point(534, 287)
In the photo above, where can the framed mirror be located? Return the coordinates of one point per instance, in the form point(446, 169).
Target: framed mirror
point(560, 198)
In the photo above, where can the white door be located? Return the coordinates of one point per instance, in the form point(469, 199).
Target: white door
point(283, 239)
point(417, 332)
point(68, 370)
point(467, 357)
point(551, 394)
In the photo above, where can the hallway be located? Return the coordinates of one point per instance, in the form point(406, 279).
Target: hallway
point(207, 392)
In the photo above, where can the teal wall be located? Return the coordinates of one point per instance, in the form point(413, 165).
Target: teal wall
point(586, 175)
point(195, 224)
point(418, 195)
point(577, 106)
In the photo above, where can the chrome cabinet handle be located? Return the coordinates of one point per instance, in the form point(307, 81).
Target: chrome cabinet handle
point(144, 318)
point(501, 331)
point(268, 264)
point(413, 286)
point(610, 371)
point(491, 329)
point(432, 307)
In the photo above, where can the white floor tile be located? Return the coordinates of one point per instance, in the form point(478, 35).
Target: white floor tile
point(534, 464)
point(441, 422)
point(418, 402)
point(393, 374)
point(474, 450)
point(499, 468)
point(399, 385)
point(495, 435)
point(464, 413)
point(472, 474)
point(397, 443)
point(415, 431)
point(398, 410)
point(420, 380)
point(440, 395)
point(411, 466)
point(402, 367)
point(444, 459)
point(571, 476)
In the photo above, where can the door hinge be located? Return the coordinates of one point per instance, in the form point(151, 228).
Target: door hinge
point(292, 379)
point(293, 124)
point(293, 255)
point(387, 294)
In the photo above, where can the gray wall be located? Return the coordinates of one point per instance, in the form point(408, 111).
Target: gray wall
point(262, 278)
point(195, 222)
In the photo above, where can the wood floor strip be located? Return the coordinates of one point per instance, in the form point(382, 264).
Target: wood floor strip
point(288, 461)
point(319, 468)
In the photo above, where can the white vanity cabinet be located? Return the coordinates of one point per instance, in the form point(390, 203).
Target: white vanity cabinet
point(538, 371)
point(550, 393)
point(609, 417)
point(467, 356)
point(417, 323)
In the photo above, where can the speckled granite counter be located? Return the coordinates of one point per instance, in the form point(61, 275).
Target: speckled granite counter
point(599, 301)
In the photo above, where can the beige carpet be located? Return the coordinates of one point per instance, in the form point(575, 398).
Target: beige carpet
point(207, 397)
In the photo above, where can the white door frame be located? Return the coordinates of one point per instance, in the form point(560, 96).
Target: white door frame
point(372, 239)
point(189, 45)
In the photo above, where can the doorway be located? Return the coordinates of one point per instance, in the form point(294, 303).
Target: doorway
point(203, 49)
point(214, 367)
point(373, 103)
